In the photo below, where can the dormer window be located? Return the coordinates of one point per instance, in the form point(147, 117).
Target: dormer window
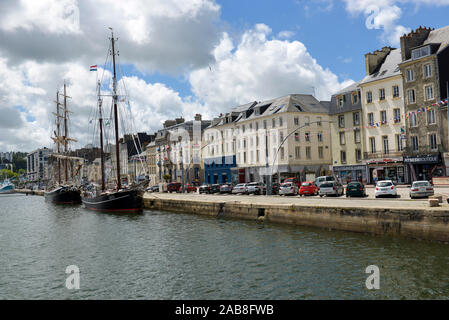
point(340, 101)
point(420, 52)
point(355, 98)
point(257, 111)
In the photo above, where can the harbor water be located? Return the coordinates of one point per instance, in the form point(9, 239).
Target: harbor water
point(163, 255)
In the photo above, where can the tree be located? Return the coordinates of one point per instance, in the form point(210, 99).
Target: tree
point(6, 173)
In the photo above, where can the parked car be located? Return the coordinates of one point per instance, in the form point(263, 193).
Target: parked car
point(421, 189)
point(288, 188)
point(191, 188)
point(294, 180)
point(308, 188)
point(331, 188)
point(154, 188)
point(215, 188)
point(385, 188)
point(318, 181)
point(205, 188)
point(174, 187)
point(355, 189)
point(226, 188)
point(257, 188)
point(240, 188)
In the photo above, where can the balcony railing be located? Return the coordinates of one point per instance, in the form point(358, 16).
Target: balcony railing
point(381, 154)
point(424, 150)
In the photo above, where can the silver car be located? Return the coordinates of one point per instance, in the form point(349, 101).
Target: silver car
point(421, 189)
point(331, 189)
point(240, 188)
point(256, 188)
point(288, 188)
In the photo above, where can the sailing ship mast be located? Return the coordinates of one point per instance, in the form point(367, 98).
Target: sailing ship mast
point(65, 135)
point(101, 138)
point(114, 97)
point(58, 133)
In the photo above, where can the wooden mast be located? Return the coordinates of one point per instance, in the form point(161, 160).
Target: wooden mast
point(58, 133)
point(65, 133)
point(114, 96)
point(101, 139)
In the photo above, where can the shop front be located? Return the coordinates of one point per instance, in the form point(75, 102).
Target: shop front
point(387, 169)
point(422, 167)
point(346, 174)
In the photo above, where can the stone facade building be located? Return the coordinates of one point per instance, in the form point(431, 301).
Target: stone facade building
point(283, 137)
point(383, 116)
point(347, 134)
point(424, 66)
point(178, 151)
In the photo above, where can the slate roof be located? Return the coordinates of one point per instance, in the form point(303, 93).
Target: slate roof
point(440, 36)
point(347, 103)
point(288, 103)
point(389, 67)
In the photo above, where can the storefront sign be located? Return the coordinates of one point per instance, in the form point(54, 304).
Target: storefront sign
point(422, 159)
point(349, 168)
point(440, 181)
point(385, 160)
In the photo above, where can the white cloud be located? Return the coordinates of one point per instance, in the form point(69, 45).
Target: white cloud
point(385, 15)
point(259, 68)
point(156, 35)
point(47, 15)
point(285, 34)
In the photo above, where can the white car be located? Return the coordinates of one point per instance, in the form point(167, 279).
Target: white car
point(288, 188)
point(331, 188)
point(385, 188)
point(240, 188)
point(421, 189)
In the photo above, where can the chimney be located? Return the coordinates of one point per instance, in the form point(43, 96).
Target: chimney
point(198, 117)
point(412, 40)
point(179, 120)
point(375, 59)
point(169, 123)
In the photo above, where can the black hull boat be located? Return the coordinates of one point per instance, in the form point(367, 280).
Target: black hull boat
point(127, 201)
point(63, 195)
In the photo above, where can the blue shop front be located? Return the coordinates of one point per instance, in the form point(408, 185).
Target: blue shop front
point(218, 170)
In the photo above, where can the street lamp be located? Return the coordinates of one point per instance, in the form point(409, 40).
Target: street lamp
point(188, 167)
point(282, 143)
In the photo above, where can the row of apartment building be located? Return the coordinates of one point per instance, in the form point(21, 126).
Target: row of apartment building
point(392, 124)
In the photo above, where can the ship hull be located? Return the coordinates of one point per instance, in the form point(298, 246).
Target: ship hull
point(129, 201)
point(63, 195)
point(7, 189)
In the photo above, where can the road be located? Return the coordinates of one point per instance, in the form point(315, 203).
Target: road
point(403, 201)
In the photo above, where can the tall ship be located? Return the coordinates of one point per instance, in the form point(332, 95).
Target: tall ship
point(62, 192)
point(118, 199)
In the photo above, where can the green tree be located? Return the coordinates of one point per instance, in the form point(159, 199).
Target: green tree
point(6, 173)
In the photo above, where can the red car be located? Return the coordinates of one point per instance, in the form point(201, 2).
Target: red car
point(174, 187)
point(190, 188)
point(308, 188)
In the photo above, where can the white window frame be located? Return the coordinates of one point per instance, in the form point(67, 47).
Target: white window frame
point(410, 75)
point(414, 96)
point(427, 67)
point(425, 92)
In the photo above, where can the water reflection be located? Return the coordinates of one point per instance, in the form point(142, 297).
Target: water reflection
point(160, 255)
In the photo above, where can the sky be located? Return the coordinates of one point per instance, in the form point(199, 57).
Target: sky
point(179, 58)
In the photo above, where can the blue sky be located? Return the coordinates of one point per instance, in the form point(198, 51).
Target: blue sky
point(336, 38)
point(187, 57)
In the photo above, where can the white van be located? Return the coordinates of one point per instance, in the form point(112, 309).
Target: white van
point(323, 179)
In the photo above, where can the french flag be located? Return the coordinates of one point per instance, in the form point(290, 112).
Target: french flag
point(93, 68)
